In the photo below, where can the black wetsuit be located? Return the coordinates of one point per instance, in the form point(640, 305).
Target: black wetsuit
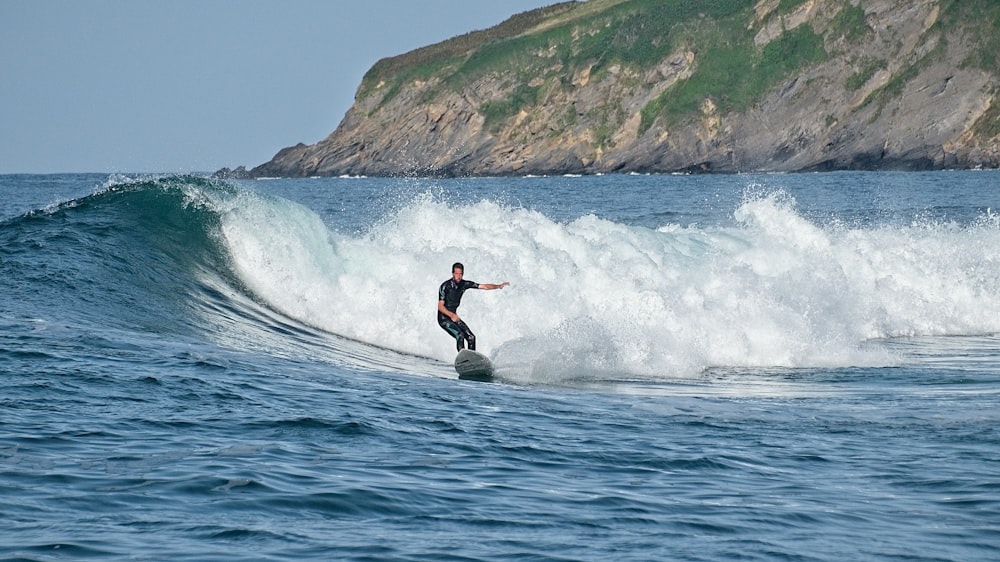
point(451, 293)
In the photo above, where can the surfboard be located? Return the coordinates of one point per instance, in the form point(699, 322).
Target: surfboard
point(473, 365)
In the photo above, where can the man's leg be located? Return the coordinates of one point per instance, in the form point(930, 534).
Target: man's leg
point(467, 333)
point(456, 332)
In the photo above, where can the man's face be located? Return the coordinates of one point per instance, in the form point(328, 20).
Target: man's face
point(456, 274)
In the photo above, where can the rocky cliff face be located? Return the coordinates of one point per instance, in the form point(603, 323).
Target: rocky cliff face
point(636, 85)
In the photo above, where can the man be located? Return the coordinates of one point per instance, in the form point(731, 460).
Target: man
point(449, 297)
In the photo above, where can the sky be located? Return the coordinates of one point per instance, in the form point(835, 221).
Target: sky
point(196, 85)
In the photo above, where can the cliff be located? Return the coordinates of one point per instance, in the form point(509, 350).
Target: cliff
point(671, 85)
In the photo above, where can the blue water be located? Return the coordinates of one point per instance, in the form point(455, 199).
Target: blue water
point(779, 367)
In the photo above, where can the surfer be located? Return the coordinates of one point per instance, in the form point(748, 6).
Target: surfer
point(450, 296)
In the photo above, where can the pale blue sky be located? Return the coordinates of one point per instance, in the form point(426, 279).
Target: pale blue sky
point(195, 85)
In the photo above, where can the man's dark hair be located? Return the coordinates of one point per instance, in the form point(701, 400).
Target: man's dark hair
point(457, 265)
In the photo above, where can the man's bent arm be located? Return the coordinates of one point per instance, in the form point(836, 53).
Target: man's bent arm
point(446, 312)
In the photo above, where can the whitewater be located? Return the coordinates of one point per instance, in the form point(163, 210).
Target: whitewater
point(798, 367)
point(597, 298)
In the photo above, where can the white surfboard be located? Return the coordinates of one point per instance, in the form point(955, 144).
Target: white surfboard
point(473, 365)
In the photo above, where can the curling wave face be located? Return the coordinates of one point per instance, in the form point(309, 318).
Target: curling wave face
point(591, 298)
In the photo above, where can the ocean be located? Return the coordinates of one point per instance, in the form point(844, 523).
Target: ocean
point(758, 367)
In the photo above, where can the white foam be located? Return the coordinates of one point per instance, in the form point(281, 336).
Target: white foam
point(593, 298)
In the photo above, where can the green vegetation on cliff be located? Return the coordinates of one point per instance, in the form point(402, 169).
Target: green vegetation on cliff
point(566, 38)
point(731, 70)
point(982, 19)
point(668, 85)
point(427, 61)
point(734, 75)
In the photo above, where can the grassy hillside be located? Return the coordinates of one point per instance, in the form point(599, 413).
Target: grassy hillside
point(535, 52)
point(682, 85)
point(735, 53)
point(557, 41)
point(733, 73)
point(982, 17)
point(427, 61)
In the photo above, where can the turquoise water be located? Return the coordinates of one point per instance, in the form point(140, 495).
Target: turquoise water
point(785, 367)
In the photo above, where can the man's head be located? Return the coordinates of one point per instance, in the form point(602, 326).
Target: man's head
point(457, 271)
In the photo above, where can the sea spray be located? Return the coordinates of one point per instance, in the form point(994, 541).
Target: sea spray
point(591, 296)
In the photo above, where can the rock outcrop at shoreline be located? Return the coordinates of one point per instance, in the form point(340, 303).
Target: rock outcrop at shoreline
point(614, 86)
